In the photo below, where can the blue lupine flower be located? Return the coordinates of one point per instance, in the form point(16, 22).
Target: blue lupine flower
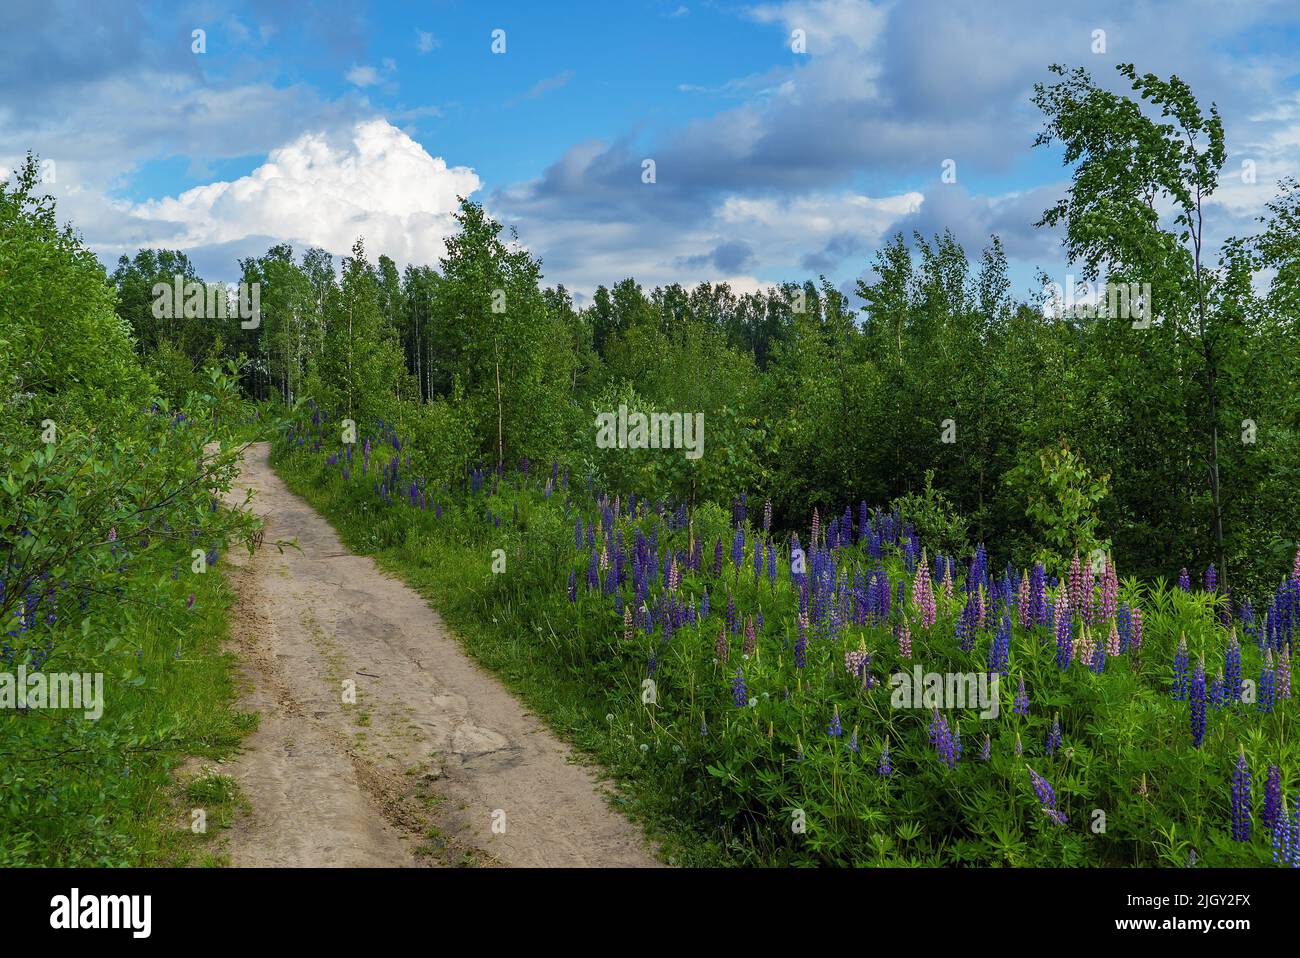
point(884, 768)
point(1272, 798)
point(1046, 797)
point(1054, 736)
point(834, 730)
point(738, 693)
point(1241, 804)
point(1232, 671)
point(1198, 704)
point(1021, 706)
point(1180, 671)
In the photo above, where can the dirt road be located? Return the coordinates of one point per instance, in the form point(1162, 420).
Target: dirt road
point(435, 763)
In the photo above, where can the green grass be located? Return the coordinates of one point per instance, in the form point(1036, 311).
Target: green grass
point(109, 793)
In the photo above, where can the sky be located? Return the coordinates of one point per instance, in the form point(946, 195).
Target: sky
point(789, 140)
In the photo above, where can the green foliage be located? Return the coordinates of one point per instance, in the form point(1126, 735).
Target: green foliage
point(1063, 498)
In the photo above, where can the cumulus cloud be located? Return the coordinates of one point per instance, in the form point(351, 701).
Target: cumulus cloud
point(381, 185)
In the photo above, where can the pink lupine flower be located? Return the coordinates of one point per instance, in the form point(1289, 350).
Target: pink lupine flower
point(1109, 590)
point(923, 593)
point(1135, 627)
point(947, 583)
point(904, 639)
point(1075, 580)
point(1112, 641)
point(1283, 677)
point(751, 641)
point(1022, 601)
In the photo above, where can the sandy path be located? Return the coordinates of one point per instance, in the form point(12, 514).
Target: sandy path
point(433, 741)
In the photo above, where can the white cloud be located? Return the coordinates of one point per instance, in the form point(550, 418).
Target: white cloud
point(426, 42)
point(363, 76)
point(383, 186)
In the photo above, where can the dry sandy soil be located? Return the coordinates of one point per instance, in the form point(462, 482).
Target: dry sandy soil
point(435, 763)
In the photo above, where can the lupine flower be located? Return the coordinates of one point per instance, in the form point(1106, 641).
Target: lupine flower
point(751, 642)
point(1286, 839)
point(1284, 672)
point(738, 694)
point(1211, 578)
point(1023, 601)
point(1112, 641)
point(1180, 671)
point(1046, 797)
point(923, 594)
point(1267, 687)
point(1135, 640)
point(1184, 580)
point(834, 729)
point(1109, 590)
point(1075, 578)
point(720, 646)
point(1054, 736)
point(1272, 798)
point(986, 749)
point(1198, 704)
point(573, 585)
point(1021, 706)
point(853, 740)
point(627, 621)
point(1064, 629)
point(1241, 804)
point(884, 768)
point(767, 515)
point(1020, 749)
point(801, 642)
point(1000, 650)
point(904, 639)
point(1232, 671)
point(816, 526)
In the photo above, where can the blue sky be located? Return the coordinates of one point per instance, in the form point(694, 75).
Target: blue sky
point(316, 123)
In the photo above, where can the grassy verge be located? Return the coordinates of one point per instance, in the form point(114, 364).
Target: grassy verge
point(111, 791)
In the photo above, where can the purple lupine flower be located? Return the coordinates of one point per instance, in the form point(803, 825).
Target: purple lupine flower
point(1184, 580)
point(1064, 634)
point(1180, 671)
point(1046, 797)
point(853, 740)
point(738, 694)
point(986, 749)
point(1054, 736)
point(704, 604)
point(834, 730)
point(1000, 650)
point(717, 557)
point(1232, 671)
point(1272, 798)
point(771, 564)
point(1197, 696)
point(1267, 678)
point(1211, 578)
point(1241, 803)
point(884, 768)
point(1021, 706)
point(738, 549)
point(767, 516)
